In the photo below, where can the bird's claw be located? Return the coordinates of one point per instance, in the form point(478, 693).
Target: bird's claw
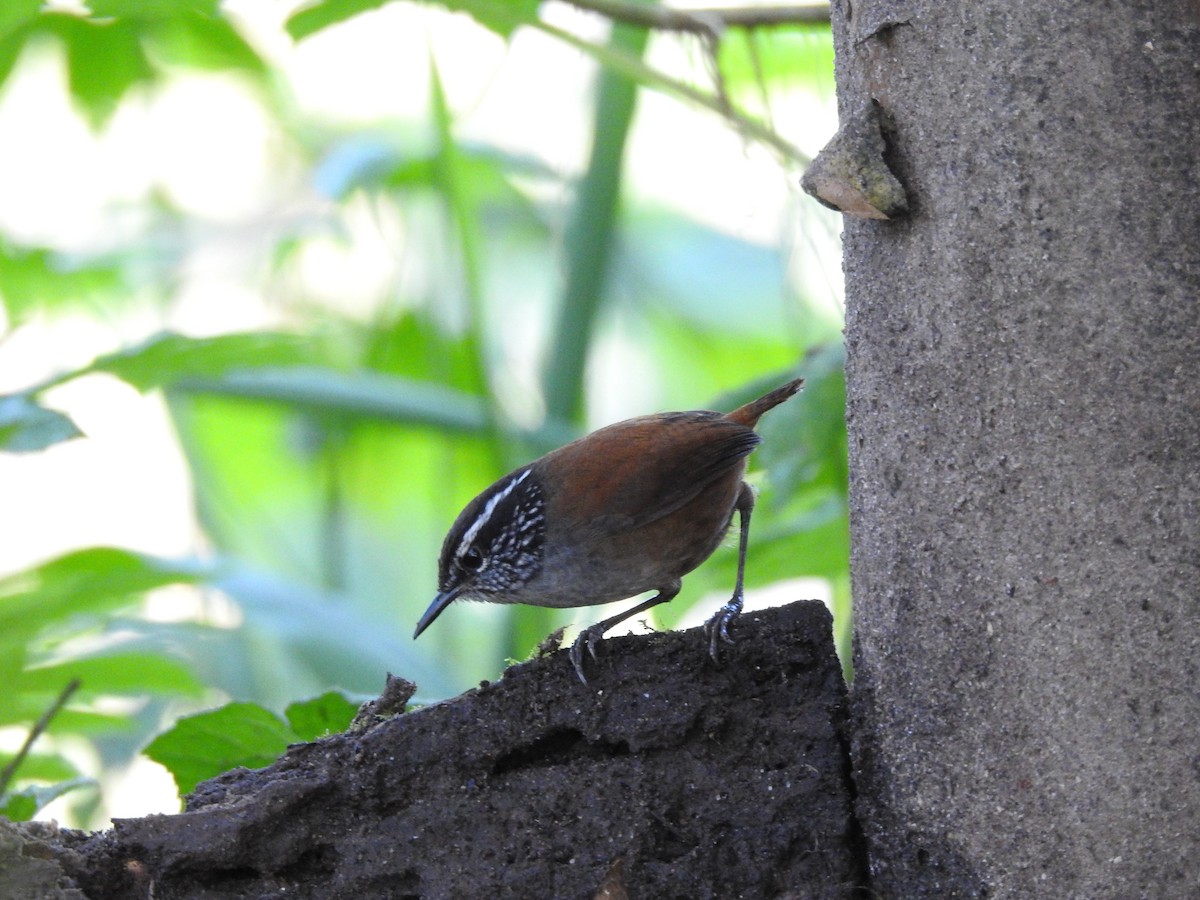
point(589, 637)
point(717, 627)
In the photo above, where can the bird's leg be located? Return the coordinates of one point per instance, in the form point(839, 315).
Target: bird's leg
point(591, 636)
point(718, 626)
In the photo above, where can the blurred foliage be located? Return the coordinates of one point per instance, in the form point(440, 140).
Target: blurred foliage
point(329, 453)
point(123, 43)
point(60, 623)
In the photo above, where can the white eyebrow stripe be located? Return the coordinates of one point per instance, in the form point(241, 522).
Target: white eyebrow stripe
point(482, 519)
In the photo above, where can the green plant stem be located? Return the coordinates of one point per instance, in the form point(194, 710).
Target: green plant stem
point(9, 771)
point(589, 234)
point(333, 524)
point(464, 215)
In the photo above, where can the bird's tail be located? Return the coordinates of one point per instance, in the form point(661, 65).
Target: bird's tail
point(749, 414)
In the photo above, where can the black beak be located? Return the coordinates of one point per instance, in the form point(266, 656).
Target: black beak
point(440, 602)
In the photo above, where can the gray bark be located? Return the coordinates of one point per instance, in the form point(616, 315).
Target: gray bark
point(1024, 408)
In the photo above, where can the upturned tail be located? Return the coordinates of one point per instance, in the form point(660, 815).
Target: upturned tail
point(749, 414)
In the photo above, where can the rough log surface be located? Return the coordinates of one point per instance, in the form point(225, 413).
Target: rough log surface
point(705, 781)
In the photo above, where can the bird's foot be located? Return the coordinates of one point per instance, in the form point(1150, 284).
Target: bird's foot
point(589, 637)
point(717, 628)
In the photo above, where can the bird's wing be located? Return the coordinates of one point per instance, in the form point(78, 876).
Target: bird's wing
point(640, 470)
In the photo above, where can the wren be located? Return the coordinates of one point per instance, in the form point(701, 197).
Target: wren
point(629, 508)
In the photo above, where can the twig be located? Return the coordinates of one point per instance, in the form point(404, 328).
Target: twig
point(637, 70)
point(41, 725)
point(709, 23)
point(705, 20)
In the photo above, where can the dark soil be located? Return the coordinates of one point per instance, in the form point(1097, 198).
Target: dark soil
point(703, 781)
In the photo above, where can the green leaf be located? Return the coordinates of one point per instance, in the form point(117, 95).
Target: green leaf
point(359, 394)
point(34, 279)
point(89, 581)
point(115, 673)
point(500, 16)
point(209, 743)
point(314, 17)
point(204, 42)
point(74, 722)
point(10, 51)
point(16, 14)
point(20, 806)
point(168, 358)
point(26, 426)
point(41, 767)
point(23, 805)
point(104, 60)
point(106, 50)
point(330, 713)
point(153, 9)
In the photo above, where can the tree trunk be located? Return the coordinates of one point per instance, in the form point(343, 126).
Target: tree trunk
point(1024, 410)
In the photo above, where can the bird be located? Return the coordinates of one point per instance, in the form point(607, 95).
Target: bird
point(629, 508)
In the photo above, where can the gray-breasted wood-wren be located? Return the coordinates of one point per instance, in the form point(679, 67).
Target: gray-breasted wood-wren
point(629, 508)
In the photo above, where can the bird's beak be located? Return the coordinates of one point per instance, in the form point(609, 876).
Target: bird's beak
point(440, 602)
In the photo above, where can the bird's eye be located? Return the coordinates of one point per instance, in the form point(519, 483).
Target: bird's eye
point(471, 559)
